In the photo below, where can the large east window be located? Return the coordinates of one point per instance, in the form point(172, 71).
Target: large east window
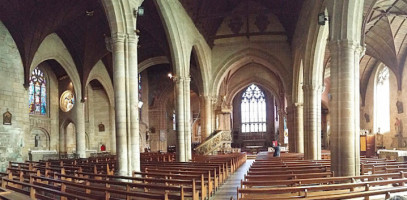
point(37, 93)
point(253, 109)
point(382, 101)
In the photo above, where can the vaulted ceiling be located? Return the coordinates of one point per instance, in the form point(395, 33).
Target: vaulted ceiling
point(385, 28)
point(209, 14)
point(83, 27)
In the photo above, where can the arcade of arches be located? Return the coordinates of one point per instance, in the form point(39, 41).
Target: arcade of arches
point(128, 76)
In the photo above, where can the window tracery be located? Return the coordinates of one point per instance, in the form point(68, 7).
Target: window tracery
point(253, 110)
point(37, 99)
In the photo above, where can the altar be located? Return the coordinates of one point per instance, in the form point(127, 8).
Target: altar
point(253, 149)
point(399, 155)
point(36, 155)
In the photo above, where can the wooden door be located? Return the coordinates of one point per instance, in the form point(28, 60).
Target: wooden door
point(363, 145)
point(370, 146)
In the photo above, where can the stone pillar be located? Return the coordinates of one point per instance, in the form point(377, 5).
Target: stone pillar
point(179, 113)
point(206, 119)
point(290, 126)
point(345, 47)
point(214, 100)
point(112, 130)
point(91, 123)
point(62, 140)
point(345, 140)
point(119, 82)
point(132, 91)
point(312, 122)
point(188, 121)
point(80, 130)
point(298, 128)
point(281, 117)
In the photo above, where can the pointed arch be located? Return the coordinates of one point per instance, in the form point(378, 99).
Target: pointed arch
point(382, 100)
point(246, 57)
point(100, 73)
point(54, 48)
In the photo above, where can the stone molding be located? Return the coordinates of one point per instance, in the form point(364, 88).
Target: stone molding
point(120, 38)
point(312, 88)
point(337, 45)
point(298, 104)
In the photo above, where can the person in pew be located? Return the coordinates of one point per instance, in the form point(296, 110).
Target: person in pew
point(277, 150)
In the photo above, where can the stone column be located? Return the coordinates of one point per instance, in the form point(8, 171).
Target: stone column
point(112, 130)
point(188, 122)
point(345, 139)
point(345, 47)
point(312, 122)
point(298, 128)
point(281, 117)
point(119, 82)
point(91, 114)
point(206, 119)
point(80, 130)
point(132, 91)
point(290, 126)
point(62, 139)
point(179, 113)
point(214, 100)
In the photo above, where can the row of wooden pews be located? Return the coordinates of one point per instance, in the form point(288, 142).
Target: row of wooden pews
point(291, 177)
point(157, 157)
point(207, 172)
point(94, 178)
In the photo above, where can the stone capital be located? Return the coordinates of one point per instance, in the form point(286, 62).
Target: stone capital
point(298, 104)
point(132, 38)
point(118, 38)
point(214, 99)
point(312, 88)
point(181, 79)
point(339, 45)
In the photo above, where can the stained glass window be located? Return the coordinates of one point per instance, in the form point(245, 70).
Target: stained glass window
point(382, 101)
point(139, 87)
point(67, 101)
point(37, 93)
point(253, 109)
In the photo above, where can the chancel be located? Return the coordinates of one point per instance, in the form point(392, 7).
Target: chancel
point(191, 99)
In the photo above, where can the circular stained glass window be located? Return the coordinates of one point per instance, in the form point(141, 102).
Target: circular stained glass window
point(67, 101)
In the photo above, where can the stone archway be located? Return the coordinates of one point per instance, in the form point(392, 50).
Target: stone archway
point(39, 139)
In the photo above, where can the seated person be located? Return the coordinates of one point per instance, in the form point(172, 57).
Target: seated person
point(277, 150)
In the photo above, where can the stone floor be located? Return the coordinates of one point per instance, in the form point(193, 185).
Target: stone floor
point(229, 188)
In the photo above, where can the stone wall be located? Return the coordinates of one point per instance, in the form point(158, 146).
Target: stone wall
point(48, 124)
point(101, 116)
point(387, 139)
point(13, 98)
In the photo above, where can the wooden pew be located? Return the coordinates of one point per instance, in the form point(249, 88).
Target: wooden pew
point(307, 191)
point(98, 189)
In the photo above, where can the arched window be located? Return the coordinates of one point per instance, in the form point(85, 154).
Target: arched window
point(253, 109)
point(37, 93)
point(382, 101)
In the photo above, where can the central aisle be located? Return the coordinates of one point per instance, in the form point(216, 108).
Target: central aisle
point(228, 189)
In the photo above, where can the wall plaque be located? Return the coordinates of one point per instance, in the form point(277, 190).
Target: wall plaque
point(7, 118)
point(101, 127)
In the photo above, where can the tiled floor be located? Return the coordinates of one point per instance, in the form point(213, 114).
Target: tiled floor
point(228, 189)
